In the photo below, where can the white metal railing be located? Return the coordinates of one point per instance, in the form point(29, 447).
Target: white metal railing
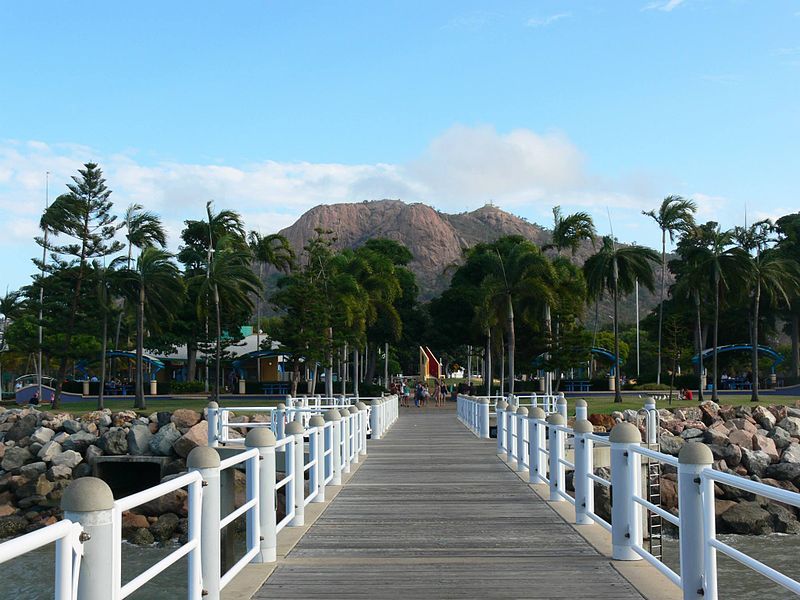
point(191, 548)
point(68, 540)
point(94, 526)
point(249, 508)
point(696, 479)
point(381, 413)
point(288, 481)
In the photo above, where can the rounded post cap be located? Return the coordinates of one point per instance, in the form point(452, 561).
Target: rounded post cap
point(259, 437)
point(561, 400)
point(202, 457)
point(625, 433)
point(483, 401)
point(693, 453)
point(522, 411)
point(332, 415)
point(344, 412)
point(316, 421)
point(556, 419)
point(353, 410)
point(580, 402)
point(87, 494)
point(561, 394)
point(583, 426)
point(294, 428)
point(502, 405)
point(361, 406)
point(537, 413)
point(281, 406)
point(212, 404)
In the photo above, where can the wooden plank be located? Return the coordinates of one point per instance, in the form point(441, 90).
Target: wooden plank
point(432, 513)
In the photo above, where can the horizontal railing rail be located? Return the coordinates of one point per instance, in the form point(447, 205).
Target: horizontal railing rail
point(191, 549)
point(68, 538)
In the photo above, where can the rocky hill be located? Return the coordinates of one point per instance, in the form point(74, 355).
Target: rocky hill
point(436, 239)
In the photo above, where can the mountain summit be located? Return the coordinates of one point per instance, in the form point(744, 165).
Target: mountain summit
point(436, 239)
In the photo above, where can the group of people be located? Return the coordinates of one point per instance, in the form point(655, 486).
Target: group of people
point(422, 393)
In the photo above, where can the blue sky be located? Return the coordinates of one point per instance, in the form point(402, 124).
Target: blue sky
point(273, 107)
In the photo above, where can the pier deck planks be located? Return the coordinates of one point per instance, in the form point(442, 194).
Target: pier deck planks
point(433, 513)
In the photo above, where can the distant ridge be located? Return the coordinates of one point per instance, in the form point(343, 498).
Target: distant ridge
point(436, 239)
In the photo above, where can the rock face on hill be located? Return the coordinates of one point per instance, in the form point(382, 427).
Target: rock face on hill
point(436, 239)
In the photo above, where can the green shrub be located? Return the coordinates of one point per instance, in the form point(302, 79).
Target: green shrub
point(186, 387)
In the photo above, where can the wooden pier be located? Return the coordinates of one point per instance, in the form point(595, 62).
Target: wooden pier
point(433, 513)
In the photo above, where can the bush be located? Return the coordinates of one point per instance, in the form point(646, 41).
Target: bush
point(647, 386)
point(184, 387)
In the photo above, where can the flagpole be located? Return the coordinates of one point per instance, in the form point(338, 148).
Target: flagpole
point(41, 282)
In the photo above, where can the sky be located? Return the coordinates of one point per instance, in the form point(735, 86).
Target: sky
point(271, 108)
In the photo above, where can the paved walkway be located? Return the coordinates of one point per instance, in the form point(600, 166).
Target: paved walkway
point(433, 513)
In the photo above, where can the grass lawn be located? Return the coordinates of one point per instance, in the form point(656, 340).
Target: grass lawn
point(153, 405)
point(601, 403)
point(606, 404)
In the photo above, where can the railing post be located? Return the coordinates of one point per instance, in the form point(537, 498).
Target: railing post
point(625, 476)
point(651, 420)
point(556, 448)
point(692, 459)
point(581, 410)
point(318, 471)
point(212, 416)
point(355, 434)
point(483, 407)
point(511, 426)
point(561, 406)
point(375, 419)
point(90, 502)
point(264, 440)
point(521, 417)
point(502, 432)
point(345, 433)
point(535, 445)
point(280, 421)
point(584, 464)
point(296, 429)
point(333, 415)
point(206, 461)
point(362, 421)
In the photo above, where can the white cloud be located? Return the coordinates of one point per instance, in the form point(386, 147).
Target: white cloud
point(664, 5)
point(545, 21)
point(523, 171)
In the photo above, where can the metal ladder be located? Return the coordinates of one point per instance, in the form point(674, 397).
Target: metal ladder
point(655, 523)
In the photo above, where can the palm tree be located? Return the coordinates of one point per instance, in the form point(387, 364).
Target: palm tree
point(675, 214)
point(10, 306)
point(569, 231)
point(273, 250)
point(517, 273)
point(142, 229)
point(229, 283)
point(770, 275)
point(156, 288)
point(107, 289)
point(616, 269)
point(693, 282)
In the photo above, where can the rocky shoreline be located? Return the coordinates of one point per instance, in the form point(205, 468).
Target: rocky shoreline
point(759, 442)
point(42, 452)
